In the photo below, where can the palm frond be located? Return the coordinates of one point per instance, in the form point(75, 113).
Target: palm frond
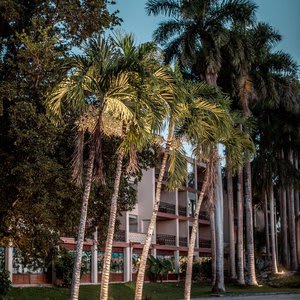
point(167, 7)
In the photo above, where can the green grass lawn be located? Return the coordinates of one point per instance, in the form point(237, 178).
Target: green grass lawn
point(125, 291)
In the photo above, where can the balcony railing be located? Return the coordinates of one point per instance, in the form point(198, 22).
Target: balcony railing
point(167, 208)
point(182, 210)
point(204, 243)
point(138, 237)
point(120, 236)
point(203, 215)
point(165, 239)
point(183, 242)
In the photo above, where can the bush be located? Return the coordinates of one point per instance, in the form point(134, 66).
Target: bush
point(5, 283)
point(64, 265)
point(158, 268)
point(201, 269)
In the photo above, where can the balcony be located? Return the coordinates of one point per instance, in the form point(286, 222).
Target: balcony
point(120, 236)
point(182, 211)
point(204, 243)
point(165, 239)
point(203, 215)
point(138, 237)
point(167, 208)
point(183, 242)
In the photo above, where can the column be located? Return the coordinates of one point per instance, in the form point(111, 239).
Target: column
point(127, 264)
point(9, 261)
point(94, 263)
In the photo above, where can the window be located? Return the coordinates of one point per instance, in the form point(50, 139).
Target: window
point(133, 223)
point(192, 204)
point(191, 175)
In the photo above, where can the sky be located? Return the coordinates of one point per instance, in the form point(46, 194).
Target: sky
point(283, 15)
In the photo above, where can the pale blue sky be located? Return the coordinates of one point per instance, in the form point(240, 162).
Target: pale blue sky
point(283, 15)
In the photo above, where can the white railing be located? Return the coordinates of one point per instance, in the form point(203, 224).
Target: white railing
point(137, 237)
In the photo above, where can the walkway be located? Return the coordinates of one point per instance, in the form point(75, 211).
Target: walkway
point(256, 297)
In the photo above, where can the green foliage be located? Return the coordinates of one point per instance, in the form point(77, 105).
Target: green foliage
point(64, 264)
point(5, 283)
point(158, 268)
point(201, 269)
point(35, 156)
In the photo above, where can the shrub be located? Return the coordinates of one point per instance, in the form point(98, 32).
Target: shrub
point(64, 265)
point(5, 283)
point(201, 269)
point(157, 268)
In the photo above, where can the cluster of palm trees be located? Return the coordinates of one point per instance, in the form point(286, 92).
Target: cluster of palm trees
point(119, 89)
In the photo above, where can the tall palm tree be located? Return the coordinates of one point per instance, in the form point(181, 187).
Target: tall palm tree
point(146, 74)
point(196, 32)
point(255, 69)
point(99, 91)
point(202, 141)
point(238, 148)
point(173, 156)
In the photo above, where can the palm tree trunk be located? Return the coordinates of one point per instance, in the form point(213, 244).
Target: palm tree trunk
point(249, 225)
point(284, 231)
point(272, 224)
point(189, 266)
point(111, 230)
point(296, 162)
point(240, 239)
point(143, 261)
point(292, 225)
point(219, 286)
point(213, 245)
point(267, 227)
point(231, 223)
point(81, 230)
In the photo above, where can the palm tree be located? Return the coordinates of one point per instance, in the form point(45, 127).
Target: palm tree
point(204, 142)
point(196, 30)
point(144, 70)
point(238, 147)
point(208, 180)
point(173, 156)
point(99, 92)
point(231, 221)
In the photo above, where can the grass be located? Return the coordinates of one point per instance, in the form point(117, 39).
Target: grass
point(125, 291)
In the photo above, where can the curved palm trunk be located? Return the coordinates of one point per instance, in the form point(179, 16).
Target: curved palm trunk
point(231, 223)
point(189, 266)
point(267, 227)
point(272, 223)
point(143, 261)
point(240, 240)
point(292, 225)
point(111, 231)
point(249, 225)
point(81, 229)
point(219, 286)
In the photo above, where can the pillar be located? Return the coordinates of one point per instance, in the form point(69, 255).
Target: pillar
point(9, 261)
point(94, 263)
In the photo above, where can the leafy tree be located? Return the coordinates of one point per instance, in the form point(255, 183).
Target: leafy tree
point(35, 37)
